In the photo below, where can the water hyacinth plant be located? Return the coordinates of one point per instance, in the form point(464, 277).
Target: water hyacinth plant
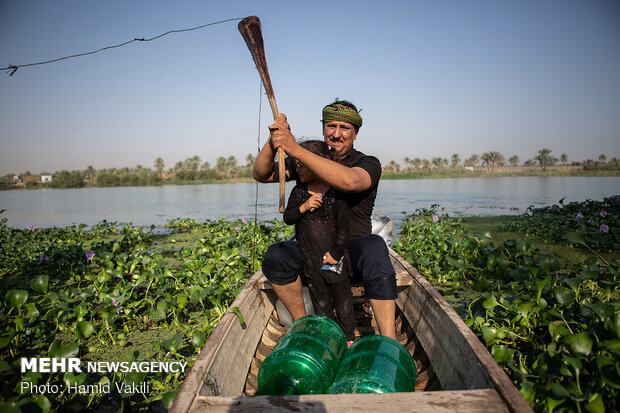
point(116, 292)
point(554, 328)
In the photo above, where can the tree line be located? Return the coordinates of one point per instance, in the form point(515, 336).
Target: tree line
point(191, 170)
point(194, 170)
point(492, 159)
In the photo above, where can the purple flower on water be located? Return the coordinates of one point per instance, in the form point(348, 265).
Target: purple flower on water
point(237, 229)
point(435, 218)
point(579, 215)
point(45, 259)
point(590, 221)
point(30, 227)
point(604, 228)
point(89, 255)
point(603, 213)
point(119, 308)
point(244, 220)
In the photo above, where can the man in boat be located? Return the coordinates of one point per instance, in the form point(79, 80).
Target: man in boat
point(355, 174)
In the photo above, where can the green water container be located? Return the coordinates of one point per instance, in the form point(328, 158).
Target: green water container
point(375, 364)
point(305, 360)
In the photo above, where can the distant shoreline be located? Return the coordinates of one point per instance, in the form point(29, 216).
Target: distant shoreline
point(407, 174)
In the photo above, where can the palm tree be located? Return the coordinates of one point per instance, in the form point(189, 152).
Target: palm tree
point(486, 159)
point(231, 162)
point(407, 162)
point(544, 158)
point(602, 158)
point(513, 160)
point(417, 162)
point(455, 160)
point(221, 165)
point(90, 171)
point(563, 158)
point(474, 160)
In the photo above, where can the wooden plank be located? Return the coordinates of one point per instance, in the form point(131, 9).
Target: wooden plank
point(239, 344)
point(453, 333)
point(201, 379)
point(476, 401)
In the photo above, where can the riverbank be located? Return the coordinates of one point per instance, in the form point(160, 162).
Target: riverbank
point(437, 173)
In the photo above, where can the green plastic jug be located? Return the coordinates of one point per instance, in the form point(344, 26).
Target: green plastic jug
point(305, 360)
point(375, 364)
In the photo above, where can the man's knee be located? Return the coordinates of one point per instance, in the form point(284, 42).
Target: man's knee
point(282, 263)
point(372, 259)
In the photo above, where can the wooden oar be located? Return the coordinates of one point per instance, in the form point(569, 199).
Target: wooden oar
point(250, 29)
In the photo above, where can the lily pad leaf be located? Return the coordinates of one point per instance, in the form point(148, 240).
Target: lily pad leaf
point(199, 339)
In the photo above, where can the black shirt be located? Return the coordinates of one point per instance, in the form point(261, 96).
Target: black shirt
point(360, 204)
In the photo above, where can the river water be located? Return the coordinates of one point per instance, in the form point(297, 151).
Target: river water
point(156, 204)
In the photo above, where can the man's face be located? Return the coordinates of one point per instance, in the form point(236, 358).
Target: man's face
point(339, 135)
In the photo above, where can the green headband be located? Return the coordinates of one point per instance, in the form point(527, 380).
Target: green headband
point(341, 113)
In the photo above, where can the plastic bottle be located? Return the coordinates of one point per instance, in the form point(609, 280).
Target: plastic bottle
point(305, 360)
point(375, 364)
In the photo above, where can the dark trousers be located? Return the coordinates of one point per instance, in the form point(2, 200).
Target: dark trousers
point(370, 261)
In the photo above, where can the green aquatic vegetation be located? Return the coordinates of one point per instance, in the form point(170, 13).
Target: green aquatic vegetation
point(598, 222)
point(553, 327)
point(117, 292)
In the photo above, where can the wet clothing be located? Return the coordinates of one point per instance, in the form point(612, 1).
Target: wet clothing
point(362, 203)
point(369, 255)
point(317, 232)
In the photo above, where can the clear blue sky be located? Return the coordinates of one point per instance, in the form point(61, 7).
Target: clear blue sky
point(433, 78)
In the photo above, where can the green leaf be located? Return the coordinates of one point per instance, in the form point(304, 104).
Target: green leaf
point(580, 343)
point(133, 377)
point(488, 334)
point(84, 329)
point(57, 350)
point(236, 311)
point(169, 398)
point(563, 295)
point(558, 391)
point(502, 354)
point(490, 303)
point(6, 337)
point(73, 380)
point(549, 263)
point(16, 298)
point(40, 283)
point(199, 339)
point(595, 405)
point(540, 285)
point(558, 329)
point(524, 245)
point(602, 310)
point(576, 238)
point(173, 343)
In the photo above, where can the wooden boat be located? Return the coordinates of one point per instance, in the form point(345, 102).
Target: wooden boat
point(455, 370)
